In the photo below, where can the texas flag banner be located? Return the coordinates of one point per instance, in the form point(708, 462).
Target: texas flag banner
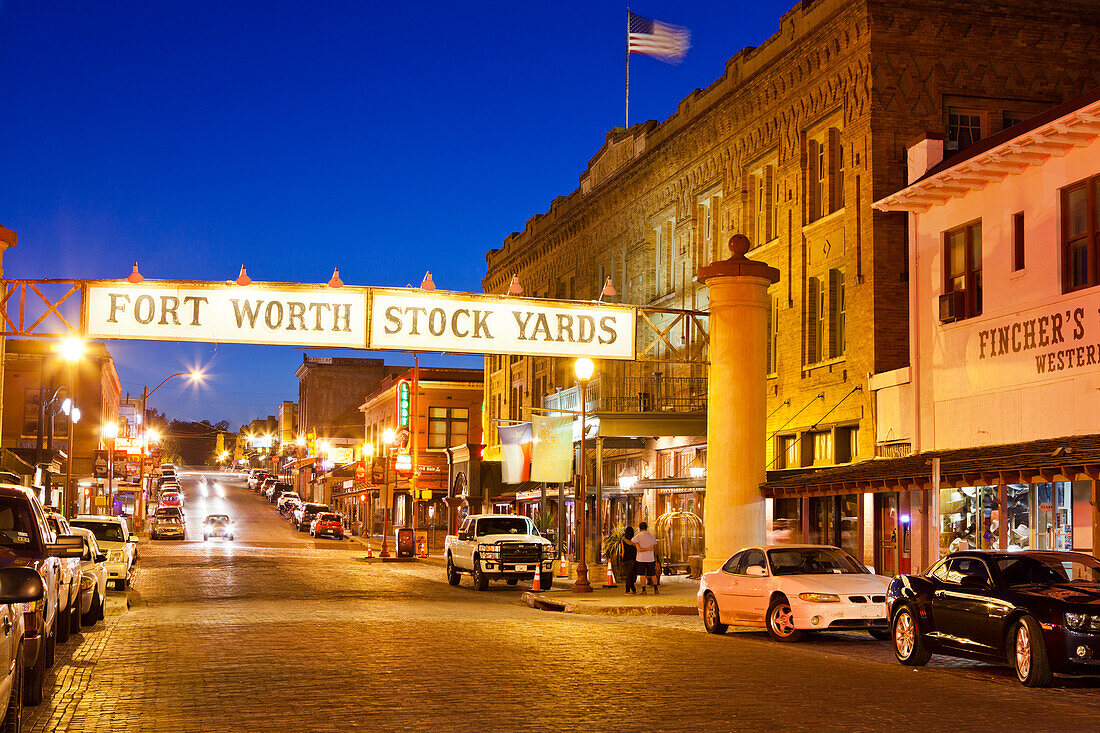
point(515, 451)
point(552, 456)
point(667, 42)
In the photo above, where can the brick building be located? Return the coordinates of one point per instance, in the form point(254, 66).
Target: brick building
point(790, 145)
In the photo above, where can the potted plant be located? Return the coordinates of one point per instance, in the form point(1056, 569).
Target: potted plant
point(613, 550)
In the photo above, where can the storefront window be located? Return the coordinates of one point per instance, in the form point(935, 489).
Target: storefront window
point(786, 522)
point(1042, 516)
point(834, 521)
point(970, 519)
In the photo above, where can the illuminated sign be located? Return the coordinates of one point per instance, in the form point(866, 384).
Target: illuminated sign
point(403, 462)
point(417, 320)
point(340, 454)
point(290, 315)
point(263, 441)
point(403, 402)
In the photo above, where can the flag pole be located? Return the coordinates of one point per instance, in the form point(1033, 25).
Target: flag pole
point(626, 121)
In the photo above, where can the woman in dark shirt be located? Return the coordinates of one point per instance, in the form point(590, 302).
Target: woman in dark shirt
point(630, 554)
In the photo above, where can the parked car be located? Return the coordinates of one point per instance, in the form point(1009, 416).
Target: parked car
point(290, 507)
point(303, 515)
point(792, 589)
point(255, 478)
point(93, 582)
point(1037, 611)
point(167, 528)
point(217, 527)
point(170, 499)
point(168, 511)
point(285, 497)
point(114, 536)
point(69, 595)
point(26, 541)
point(498, 547)
point(327, 524)
point(276, 489)
point(265, 487)
point(21, 590)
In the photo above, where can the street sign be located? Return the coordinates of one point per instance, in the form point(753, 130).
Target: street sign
point(419, 320)
point(289, 315)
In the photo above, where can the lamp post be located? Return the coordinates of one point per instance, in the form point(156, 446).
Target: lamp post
point(110, 432)
point(388, 436)
point(71, 349)
point(368, 463)
point(583, 369)
point(139, 503)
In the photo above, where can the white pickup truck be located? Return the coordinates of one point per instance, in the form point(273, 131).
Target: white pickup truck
point(498, 547)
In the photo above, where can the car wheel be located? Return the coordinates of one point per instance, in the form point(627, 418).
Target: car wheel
point(453, 576)
point(93, 615)
point(781, 621)
point(74, 617)
point(34, 679)
point(13, 719)
point(712, 620)
point(908, 646)
point(481, 580)
point(61, 625)
point(1029, 652)
point(880, 634)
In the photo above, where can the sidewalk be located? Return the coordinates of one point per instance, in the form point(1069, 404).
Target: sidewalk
point(676, 598)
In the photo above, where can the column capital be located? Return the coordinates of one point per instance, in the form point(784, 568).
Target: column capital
point(738, 265)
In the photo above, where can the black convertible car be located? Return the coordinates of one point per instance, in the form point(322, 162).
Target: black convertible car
point(1036, 611)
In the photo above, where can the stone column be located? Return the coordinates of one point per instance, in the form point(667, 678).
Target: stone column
point(736, 401)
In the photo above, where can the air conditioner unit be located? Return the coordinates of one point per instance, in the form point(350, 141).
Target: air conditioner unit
point(952, 306)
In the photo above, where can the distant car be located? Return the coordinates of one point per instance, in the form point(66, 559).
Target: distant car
point(327, 524)
point(217, 528)
point(69, 591)
point(211, 517)
point(255, 477)
point(170, 499)
point(93, 583)
point(303, 516)
point(113, 535)
point(285, 497)
point(792, 589)
point(169, 511)
point(167, 528)
point(265, 487)
point(1037, 611)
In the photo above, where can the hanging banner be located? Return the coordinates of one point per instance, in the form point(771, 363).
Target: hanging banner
point(552, 453)
point(419, 320)
point(288, 315)
point(515, 448)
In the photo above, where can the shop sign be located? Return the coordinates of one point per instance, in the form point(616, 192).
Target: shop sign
point(403, 401)
point(360, 471)
point(100, 464)
point(341, 454)
point(224, 312)
point(413, 320)
point(263, 441)
point(403, 462)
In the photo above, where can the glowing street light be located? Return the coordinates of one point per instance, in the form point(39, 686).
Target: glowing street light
point(583, 369)
point(71, 349)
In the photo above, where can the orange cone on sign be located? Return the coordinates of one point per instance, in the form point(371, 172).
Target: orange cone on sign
point(610, 583)
point(563, 567)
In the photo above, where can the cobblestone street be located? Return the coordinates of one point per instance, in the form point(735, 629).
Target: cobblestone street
point(276, 631)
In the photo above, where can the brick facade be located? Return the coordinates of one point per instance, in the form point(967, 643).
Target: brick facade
point(790, 146)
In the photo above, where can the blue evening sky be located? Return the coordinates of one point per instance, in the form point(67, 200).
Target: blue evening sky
point(384, 138)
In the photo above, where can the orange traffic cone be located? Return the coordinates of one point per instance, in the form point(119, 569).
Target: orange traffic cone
point(370, 552)
point(610, 583)
point(563, 567)
point(536, 586)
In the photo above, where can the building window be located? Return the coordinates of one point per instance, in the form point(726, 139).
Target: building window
point(30, 411)
point(816, 313)
point(664, 464)
point(825, 174)
point(816, 177)
point(837, 187)
point(963, 269)
point(1079, 233)
point(1018, 241)
point(786, 452)
point(963, 128)
point(838, 308)
point(847, 443)
point(773, 335)
point(762, 206)
point(448, 426)
point(817, 448)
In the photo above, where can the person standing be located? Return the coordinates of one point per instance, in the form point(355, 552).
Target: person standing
point(630, 555)
point(646, 563)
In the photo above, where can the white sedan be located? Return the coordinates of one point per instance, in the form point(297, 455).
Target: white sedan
point(93, 584)
point(791, 589)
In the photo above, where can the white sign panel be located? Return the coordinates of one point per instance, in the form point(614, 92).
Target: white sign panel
point(220, 312)
point(415, 320)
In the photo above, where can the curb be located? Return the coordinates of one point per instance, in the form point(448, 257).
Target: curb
point(543, 603)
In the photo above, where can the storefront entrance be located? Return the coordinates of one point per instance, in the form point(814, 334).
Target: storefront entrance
point(893, 535)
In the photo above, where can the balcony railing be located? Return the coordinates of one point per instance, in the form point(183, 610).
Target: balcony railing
point(635, 394)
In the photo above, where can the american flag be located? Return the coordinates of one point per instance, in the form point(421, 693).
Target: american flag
point(654, 38)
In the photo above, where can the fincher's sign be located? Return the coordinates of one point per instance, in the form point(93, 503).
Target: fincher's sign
point(357, 318)
point(220, 312)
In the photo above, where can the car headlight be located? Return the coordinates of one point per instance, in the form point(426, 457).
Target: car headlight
point(1082, 622)
point(819, 597)
point(115, 555)
point(87, 581)
point(547, 552)
point(488, 550)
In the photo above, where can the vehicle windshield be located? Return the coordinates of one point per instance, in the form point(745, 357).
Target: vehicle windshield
point(103, 531)
point(1048, 569)
point(503, 525)
point(813, 561)
point(314, 508)
point(16, 523)
point(169, 520)
point(328, 517)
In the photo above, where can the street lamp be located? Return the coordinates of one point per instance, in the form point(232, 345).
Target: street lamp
point(110, 432)
point(583, 369)
point(194, 375)
point(71, 349)
point(388, 436)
